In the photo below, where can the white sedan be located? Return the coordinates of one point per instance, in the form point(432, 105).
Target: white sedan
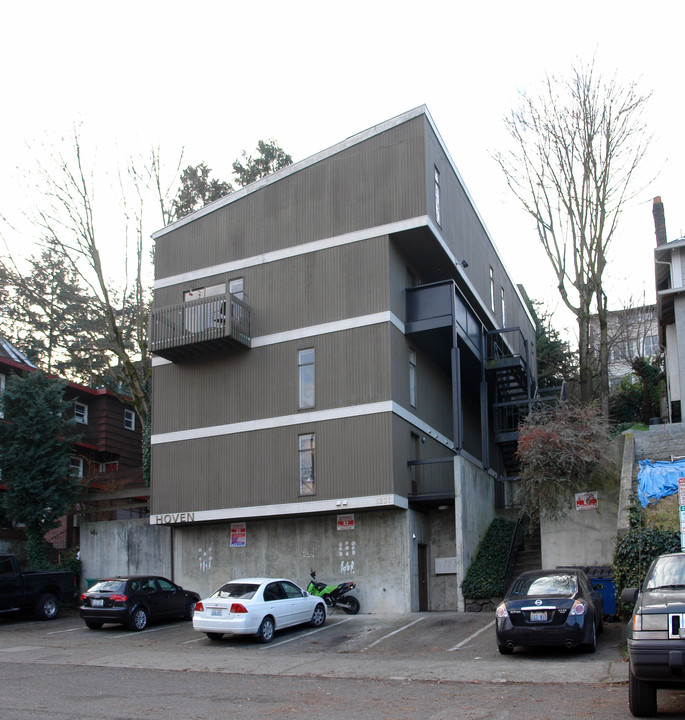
point(257, 606)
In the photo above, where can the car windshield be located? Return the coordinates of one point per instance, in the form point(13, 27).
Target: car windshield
point(244, 591)
point(561, 584)
point(667, 572)
point(108, 586)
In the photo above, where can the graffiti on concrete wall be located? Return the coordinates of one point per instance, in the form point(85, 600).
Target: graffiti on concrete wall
point(347, 549)
point(205, 558)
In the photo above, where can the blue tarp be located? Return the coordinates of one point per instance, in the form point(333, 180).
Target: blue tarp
point(657, 479)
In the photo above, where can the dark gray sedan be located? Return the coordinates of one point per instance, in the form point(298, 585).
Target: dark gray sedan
point(134, 601)
point(550, 607)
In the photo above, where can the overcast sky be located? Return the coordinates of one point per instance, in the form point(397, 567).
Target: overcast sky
point(215, 77)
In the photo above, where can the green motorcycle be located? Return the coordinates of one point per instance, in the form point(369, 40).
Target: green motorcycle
point(335, 594)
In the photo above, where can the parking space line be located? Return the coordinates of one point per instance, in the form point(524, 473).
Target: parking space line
point(394, 632)
point(311, 632)
point(138, 633)
point(472, 636)
point(57, 632)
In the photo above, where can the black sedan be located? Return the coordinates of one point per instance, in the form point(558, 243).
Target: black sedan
point(550, 607)
point(134, 601)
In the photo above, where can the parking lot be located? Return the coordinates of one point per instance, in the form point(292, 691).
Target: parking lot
point(419, 646)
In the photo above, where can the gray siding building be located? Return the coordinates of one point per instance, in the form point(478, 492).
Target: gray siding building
point(341, 362)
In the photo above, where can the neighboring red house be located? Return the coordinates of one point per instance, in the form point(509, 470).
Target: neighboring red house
point(108, 455)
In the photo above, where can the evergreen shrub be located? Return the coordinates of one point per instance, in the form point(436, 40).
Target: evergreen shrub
point(633, 556)
point(485, 577)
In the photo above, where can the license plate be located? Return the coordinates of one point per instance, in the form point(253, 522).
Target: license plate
point(216, 613)
point(538, 616)
point(97, 602)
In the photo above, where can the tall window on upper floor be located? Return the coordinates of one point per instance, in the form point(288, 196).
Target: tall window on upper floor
point(206, 315)
point(412, 378)
point(492, 289)
point(436, 184)
point(76, 466)
point(81, 413)
point(307, 445)
point(305, 368)
point(504, 308)
point(3, 379)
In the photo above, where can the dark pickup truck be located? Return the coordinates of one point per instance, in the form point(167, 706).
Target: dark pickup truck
point(42, 592)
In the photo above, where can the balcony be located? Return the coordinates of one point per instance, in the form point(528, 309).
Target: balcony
point(193, 328)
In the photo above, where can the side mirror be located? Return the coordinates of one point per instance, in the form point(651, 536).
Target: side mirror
point(629, 595)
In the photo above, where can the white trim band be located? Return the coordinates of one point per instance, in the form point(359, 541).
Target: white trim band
point(379, 502)
point(314, 330)
point(307, 418)
point(294, 251)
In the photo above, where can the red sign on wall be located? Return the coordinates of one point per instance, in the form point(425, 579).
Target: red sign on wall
point(586, 501)
point(345, 522)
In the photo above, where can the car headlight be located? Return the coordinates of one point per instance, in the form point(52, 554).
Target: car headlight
point(501, 611)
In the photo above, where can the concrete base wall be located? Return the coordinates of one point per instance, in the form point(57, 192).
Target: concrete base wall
point(381, 554)
point(377, 554)
point(583, 537)
point(123, 547)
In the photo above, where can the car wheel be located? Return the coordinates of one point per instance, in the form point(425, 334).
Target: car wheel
point(265, 633)
point(592, 645)
point(214, 636)
point(190, 610)
point(93, 624)
point(641, 697)
point(47, 607)
point(350, 605)
point(318, 616)
point(505, 649)
point(139, 619)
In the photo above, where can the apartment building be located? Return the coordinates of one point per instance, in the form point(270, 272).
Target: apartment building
point(341, 360)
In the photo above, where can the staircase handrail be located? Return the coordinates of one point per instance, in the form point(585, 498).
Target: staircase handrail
point(515, 545)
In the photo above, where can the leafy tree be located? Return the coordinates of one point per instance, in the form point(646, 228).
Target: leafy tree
point(270, 158)
point(625, 402)
point(49, 316)
point(556, 360)
point(651, 373)
point(34, 458)
point(197, 190)
point(563, 449)
point(576, 147)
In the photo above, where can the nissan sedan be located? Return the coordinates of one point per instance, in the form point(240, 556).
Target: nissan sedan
point(550, 607)
point(257, 606)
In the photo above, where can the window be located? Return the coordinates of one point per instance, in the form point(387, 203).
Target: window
point(412, 378)
point(2, 390)
point(305, 367)
point(235, 287)
point(436, 176)
point(81, 413)
point(76, 466)
point(207, 315)
point(107, 467)
point(492, 289)
point(129, 419)
point(306, 453)
point(504, 308)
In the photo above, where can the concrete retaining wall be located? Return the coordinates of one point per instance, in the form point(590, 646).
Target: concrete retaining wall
point(660, 442)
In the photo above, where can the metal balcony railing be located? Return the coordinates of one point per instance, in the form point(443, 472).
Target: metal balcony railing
point(219, 319)
point(432, 478)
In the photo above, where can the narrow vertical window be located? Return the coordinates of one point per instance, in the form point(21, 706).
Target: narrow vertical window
point(436, 176)
point(306, 453)
point(305, 363)
point(504, 308)
point(81, 413)
point(76, 466)
point(129, 419)
point(3, 378)
point(492, 289)
point(412, 378)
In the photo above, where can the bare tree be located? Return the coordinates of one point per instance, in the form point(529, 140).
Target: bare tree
point(576, 147)
point(117, 291)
